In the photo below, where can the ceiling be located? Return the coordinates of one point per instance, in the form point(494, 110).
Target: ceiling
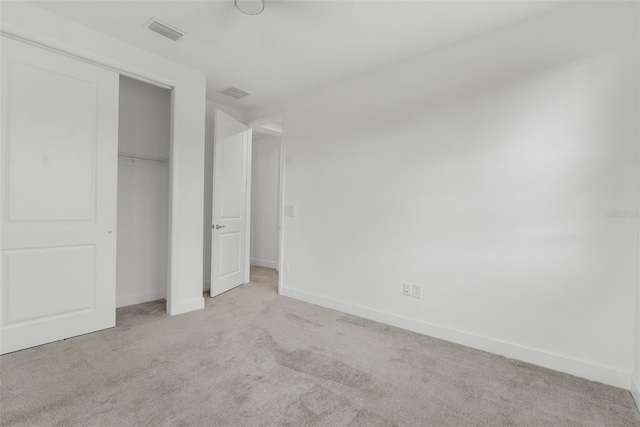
point(293, 46)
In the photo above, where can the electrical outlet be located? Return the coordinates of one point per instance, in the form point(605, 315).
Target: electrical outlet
point(406, 289)
point(417, 291)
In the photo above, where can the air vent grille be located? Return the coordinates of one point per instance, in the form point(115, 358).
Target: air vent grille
point(234, 92)
point(164, 29)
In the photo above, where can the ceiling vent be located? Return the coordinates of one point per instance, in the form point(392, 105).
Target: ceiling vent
point(164, 29)
point(234, 92)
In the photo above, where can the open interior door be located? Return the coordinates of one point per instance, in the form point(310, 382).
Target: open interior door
point(231, 204)
point(58, 176)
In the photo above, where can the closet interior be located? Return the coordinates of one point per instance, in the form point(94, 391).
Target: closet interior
point(144, 140)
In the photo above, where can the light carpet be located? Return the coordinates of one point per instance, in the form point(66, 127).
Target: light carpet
point(253, 358)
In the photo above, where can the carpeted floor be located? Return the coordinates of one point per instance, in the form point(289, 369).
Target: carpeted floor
point(253, 358)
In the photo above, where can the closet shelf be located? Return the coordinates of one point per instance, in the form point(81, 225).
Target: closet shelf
point(134, 156)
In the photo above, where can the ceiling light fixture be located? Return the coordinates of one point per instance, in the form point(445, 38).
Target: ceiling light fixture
point(250, 7)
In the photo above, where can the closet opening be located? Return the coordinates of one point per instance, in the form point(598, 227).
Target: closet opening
point(144, 147)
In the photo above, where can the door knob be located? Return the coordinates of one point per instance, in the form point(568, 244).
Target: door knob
point(217, 226)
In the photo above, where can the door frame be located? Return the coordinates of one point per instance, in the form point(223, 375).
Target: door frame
point(257, 124)
point(21, 34)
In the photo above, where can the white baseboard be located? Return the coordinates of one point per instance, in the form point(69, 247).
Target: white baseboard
point(186, 306)
point(140, 297)
point(264, 263)
point(635, 391)
point(558, 362)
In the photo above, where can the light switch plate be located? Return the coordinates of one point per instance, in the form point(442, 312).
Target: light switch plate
point(417, 291)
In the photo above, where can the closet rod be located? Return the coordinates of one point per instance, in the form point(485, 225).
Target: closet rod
point(133, 156)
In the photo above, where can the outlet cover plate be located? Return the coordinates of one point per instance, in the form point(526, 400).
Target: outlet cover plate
point(406, 289)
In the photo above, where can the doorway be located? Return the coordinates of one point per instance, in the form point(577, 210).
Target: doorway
point(265, 183)
point(267, 170)
point(245, 226)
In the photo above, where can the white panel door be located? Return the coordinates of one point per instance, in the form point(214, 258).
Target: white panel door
point(231, 196)
point(58, 206)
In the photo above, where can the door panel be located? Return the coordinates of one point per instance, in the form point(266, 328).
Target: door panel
point(230, 253)
point(231, 163)
point(58, 172)
point(232, 190)
point(64, 281)
point(38, 182)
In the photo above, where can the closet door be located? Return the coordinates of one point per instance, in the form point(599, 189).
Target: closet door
point(58, 206)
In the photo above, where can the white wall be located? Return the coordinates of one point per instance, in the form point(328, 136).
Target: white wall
point(208, 184)
point(187, 150)
point(143, 193)
point(265, 177)
point(482, 172)
point(145, 119)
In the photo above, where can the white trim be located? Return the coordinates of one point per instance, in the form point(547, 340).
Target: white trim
point(558, 362)
point(131, 75)
point(266, 120)
point(140, 297)
point(187, 306)
point(264, 263)
point(635, 391)
point(173, 237)
point(247, 208)
point(280, 257)
point(33, 38)
point(267, 131)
